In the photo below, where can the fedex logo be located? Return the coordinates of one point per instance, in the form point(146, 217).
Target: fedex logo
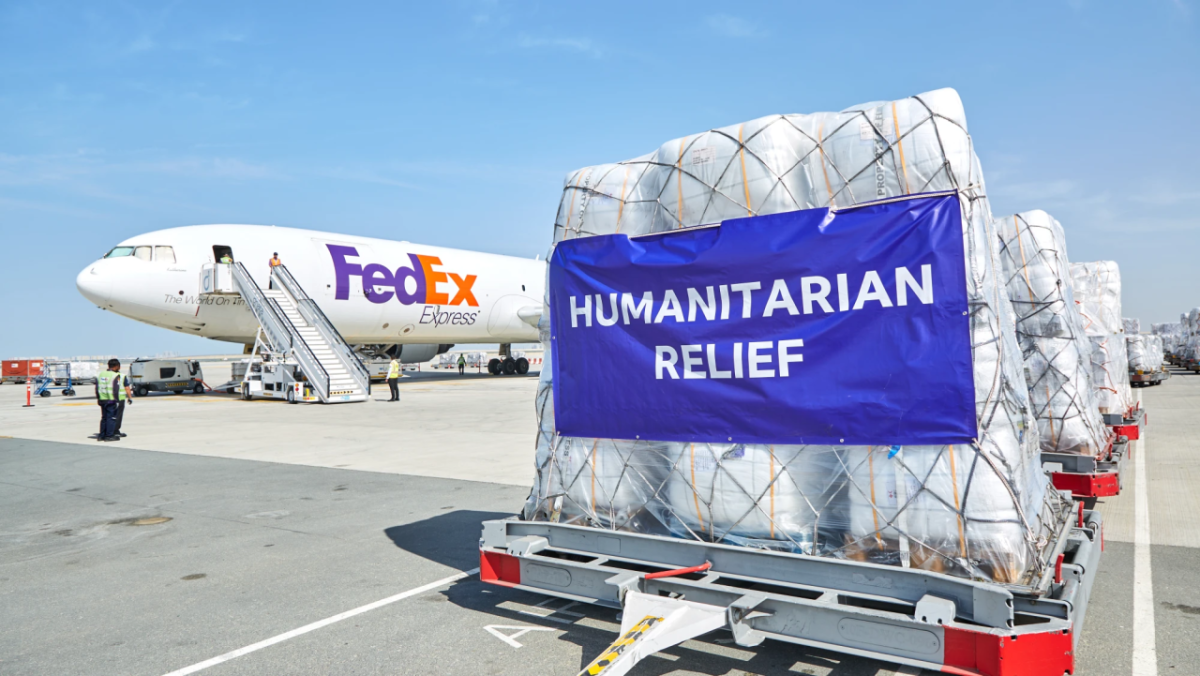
point(424, 272)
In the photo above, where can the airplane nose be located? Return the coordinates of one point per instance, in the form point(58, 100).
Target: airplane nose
point(93, 284)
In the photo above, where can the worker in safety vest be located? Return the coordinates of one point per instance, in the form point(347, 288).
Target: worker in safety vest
point(274, 262)
point(394, 379)
point(462, 364)
point(227, 259)
point(126, 396)
point(109, 392)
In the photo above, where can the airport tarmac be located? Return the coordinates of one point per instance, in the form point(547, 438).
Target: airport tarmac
point(342, 539)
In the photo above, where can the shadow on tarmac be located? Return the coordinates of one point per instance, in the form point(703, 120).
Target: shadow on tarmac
point(452, 539)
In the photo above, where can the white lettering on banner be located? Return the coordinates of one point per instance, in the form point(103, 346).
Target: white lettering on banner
point(905, 280)
point(699, 358)
point(872, 289)
point(780, 298)
point(713, 303)
point(689, 361)
point(611, 321)
point(661, 363)
point(746, 288)
point(670, 307)
point(694, 300)
point(643, 307)
point(586, 311)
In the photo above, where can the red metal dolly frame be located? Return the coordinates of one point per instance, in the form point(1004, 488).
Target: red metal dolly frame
point(1087, 477)
point(901, 615)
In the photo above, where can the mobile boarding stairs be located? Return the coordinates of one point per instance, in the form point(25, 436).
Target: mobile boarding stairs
point(298, 354)
point(671, 590)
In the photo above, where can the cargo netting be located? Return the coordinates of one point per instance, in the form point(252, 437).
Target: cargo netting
point(1057, 352)
point(1097, 288)
point(983, 511)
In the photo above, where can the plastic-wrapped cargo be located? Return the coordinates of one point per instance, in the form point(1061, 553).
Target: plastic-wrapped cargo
point(1191, 341)
point(1097, 288)
point(1131, 327)
point(1170, 334)
point(1057, 351)
point(983, 511)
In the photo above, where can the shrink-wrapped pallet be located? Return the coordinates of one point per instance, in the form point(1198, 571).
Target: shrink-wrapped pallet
point(1097, 288)
point(1191, 340)
point(1171, 334)
point(1057, 352)
point(981, 510)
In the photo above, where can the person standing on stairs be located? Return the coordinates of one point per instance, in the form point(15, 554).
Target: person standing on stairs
point(274, 262)
point(393, 379)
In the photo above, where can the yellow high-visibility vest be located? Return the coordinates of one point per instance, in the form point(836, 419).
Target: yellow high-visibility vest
point(104, 385)
point(394, 369)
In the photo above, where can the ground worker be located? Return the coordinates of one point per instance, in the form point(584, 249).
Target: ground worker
point(108, 393)
point(226, 259)
point(394, 379)
point(462, 364)
point(126, 395)
point(274, 263)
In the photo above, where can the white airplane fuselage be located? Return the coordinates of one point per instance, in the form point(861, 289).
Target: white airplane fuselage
point(374, 291)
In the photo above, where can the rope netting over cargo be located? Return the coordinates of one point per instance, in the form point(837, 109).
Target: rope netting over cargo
point(1056, 350)
point(982, 510)
point(1097, 289)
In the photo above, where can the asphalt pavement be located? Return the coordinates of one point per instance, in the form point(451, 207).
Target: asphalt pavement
point(125, 561)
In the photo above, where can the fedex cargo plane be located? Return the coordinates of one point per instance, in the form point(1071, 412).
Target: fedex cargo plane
point(385, 297)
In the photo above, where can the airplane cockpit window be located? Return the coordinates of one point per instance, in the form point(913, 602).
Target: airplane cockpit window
point(142, 252)
point(119, 251)
point(164, 254)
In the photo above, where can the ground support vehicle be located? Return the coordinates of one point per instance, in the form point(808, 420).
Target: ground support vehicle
point(56, 375)
point(672, 590)
point(1088, 477)
point(277, 380)
point(1129, 426)
point(165, 375)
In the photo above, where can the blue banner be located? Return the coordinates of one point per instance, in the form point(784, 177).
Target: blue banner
point(807, 327)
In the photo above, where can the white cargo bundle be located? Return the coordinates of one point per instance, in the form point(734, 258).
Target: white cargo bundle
point(1171, 334)
point(983, 510)
point(1097, 288)
point(1191, 341)
point(1057, 351)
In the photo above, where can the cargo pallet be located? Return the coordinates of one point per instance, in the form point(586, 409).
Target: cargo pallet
point(1088, 477)
point(1147, 378)
point(672, 590)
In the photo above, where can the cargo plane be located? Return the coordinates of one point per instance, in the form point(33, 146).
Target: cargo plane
point(386, 298)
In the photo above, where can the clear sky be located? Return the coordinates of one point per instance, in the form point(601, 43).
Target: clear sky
point(453, 123)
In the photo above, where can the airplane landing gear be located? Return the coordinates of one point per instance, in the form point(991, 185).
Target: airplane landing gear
point(508, 366)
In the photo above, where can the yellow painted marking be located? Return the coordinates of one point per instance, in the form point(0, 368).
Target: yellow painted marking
point(618, 647)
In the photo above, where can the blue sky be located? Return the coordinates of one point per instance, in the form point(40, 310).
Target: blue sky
point(454, 123)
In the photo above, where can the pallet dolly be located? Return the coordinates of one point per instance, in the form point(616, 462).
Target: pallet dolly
point(1087, 477)
point(672, 590)
point(46, 381)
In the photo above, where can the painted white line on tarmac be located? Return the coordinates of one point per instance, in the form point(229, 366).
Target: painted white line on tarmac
point(320, 623)
point(1145, 653)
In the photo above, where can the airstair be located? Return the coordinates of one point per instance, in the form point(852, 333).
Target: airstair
point(293, 328)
